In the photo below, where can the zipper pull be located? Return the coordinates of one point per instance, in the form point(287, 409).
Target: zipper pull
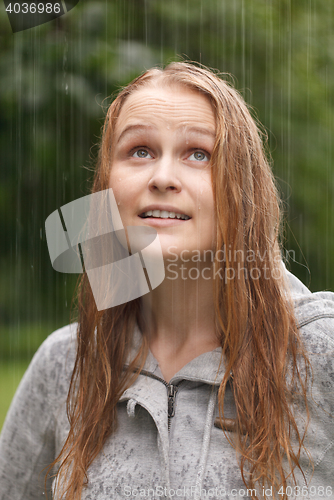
point(172, 390)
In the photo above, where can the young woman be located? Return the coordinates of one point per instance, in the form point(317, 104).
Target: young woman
point(217, 383)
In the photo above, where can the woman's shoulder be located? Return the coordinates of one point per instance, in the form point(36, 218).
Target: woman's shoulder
point(52, 365)
point(27, 441)
point(315, 317)
point(61, 338)
point(314, 312)
point(59, 345)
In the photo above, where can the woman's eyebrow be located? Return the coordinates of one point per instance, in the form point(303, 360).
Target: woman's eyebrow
point(130, 129)
point(198, 130)
point(137, 128)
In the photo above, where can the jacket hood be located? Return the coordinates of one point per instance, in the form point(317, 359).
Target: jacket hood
point(309, 306)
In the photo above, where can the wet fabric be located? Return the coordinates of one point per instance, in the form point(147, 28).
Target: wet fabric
point(152, 455)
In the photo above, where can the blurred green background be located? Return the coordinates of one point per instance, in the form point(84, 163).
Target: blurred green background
point(54, 81)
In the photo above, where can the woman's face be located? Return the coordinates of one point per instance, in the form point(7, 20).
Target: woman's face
point(161, 173)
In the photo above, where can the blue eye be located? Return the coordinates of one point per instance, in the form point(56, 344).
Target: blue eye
point(198, 156)
point(141, 153)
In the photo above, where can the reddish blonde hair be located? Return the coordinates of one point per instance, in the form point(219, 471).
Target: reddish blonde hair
point(254, 315)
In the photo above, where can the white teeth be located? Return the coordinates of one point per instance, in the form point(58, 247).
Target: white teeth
point(164, 214)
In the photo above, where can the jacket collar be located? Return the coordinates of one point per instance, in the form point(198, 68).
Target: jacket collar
point(208, 368)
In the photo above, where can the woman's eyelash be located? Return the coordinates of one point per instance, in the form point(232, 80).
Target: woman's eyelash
point(139, 149)
point(200, 152)
point(133, 150)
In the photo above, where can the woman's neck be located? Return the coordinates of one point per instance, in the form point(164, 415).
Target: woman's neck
point(180, 319)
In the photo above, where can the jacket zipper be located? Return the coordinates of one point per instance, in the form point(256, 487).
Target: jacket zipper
point(171, 394)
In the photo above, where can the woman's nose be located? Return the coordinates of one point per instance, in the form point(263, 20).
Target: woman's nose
point(164, 176)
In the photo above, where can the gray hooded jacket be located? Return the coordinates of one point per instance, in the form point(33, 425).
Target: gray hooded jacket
point(166, 444)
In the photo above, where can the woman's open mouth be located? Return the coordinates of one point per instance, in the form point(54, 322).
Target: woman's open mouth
point(163, 214)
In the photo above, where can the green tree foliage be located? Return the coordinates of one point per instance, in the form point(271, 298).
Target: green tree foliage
point(55, 84)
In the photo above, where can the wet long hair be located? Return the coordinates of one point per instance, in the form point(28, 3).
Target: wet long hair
point(262, 349)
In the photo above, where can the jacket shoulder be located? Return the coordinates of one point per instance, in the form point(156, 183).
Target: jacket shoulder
point(27, 441)
point(54, 361)
point(59, 345)
point(314, 311)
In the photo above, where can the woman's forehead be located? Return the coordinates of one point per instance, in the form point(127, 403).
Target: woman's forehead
point(178, 108)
